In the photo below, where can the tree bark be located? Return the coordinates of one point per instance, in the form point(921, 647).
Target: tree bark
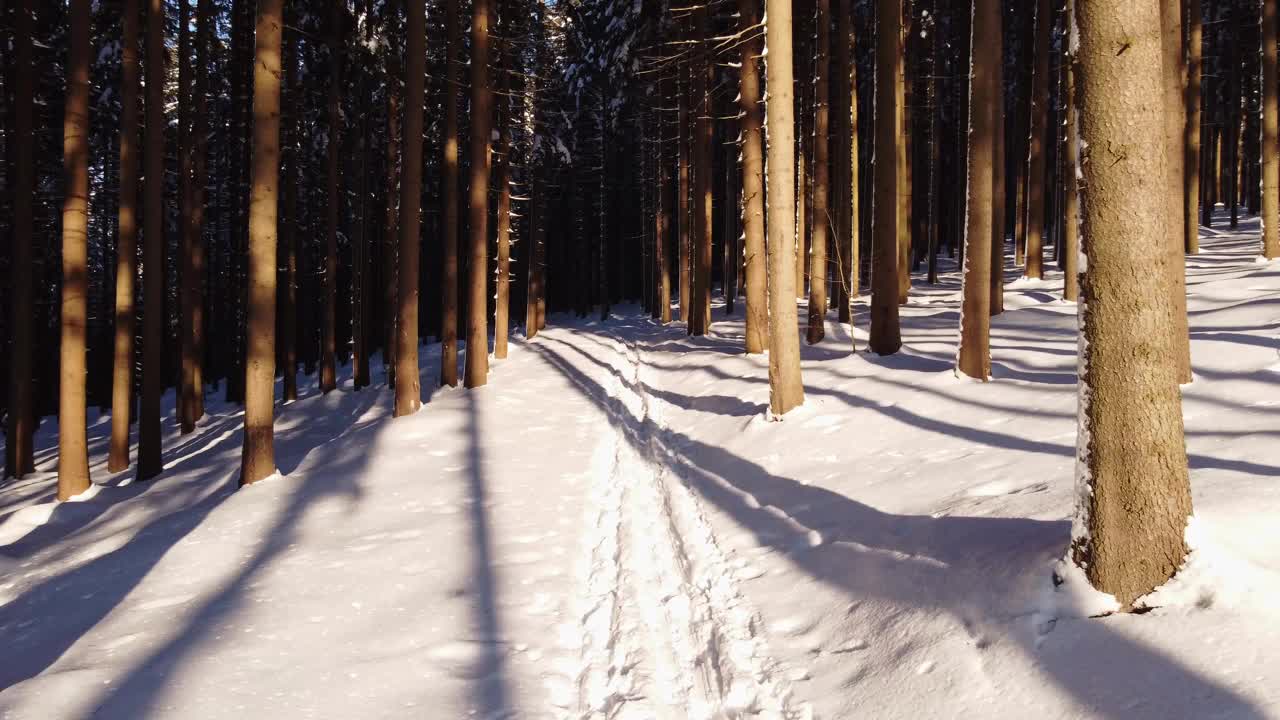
point(477, 367)
point(846, 177)
point(186, 156)
point(821, 181)
point(1035, 152)
point(786, 390)
point(886, 337)
point(1174, 131)
point(502, 177)
point(997, 166)
point(126, 245)
point(288, 222)
point(258, 458)
point(19, 452)
point(200, 172)
point(449, 201)
point(1134, 493)
point(1270, 132)
point(974, 358)
point(682, 192)
point(153, 262)
point(1191, 180)
point(700, 311)
point(1071, 166)
point(408, 385)
point(333, 205)
point(391, 231)
point(749, 101)
point(73, 455)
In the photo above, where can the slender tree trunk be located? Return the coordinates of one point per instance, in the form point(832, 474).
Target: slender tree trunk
point(1270, 131)
point(749, 101)
point(1134, 492)
point(1174, 132)
point(200, 172)
point(477, 367)
point(886, 336)
point(288, 222)
point(408, 385)
point(1035, 153)
point(1191, 178)
point(821, 181)
point(186, 156)
point(19, 452)
point(126, 245)
point(902, 148)
point(974, 357)
point(682, 192)
point(258, 459)
point(153, 263)
point(997, 165)
point(846, 164)
point(786, 389)
point(502, 177)
point(73, 455)
point(449, 201)
point(804, 195)
point(391, 227)
point(1071, 229)
point(700, 312)
point(333, 205)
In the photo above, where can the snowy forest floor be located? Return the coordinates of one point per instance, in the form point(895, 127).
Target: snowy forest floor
point(614, 529)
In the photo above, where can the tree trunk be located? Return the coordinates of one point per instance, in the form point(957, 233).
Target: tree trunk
point(757, 320)
point(1071, 166)
point(1174, 130)
point(126, 245)
point(408, 385)
point(700, 310)
point(333, 205)
point(477, 368)
point(258, 459)
point(153, 263)
point(186, 155)
point(1191, 178)
point(846, 179)
point(19, 453)
point(200, 172)
point(1270, 130)
point(1035, 151)
point(391, 232)
point(502, 177)
point(449, 201)
point(786, 390)
point(886, 337)
point(288, 222)
point(903, 149)
point(1134, 493)
point(73, 455)
point(821, 181)
point(974, 357)
point(682, 192)
point(997, 167)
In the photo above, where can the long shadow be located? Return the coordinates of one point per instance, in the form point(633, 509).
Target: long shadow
point(38, 627)
point(946, 564)
point(492, 695)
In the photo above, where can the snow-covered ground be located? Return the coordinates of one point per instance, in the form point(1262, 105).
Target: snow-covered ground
point(614, 529)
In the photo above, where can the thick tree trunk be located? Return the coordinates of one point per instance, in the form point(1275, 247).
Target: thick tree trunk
point(153, 263)
point(1270, 139)
point(333, 205)
point(1191, 178)
point(126, 245)
point(821, 181)
point(886, 336)
point(449, 201)
point(408, 385)
point(477, 367)
point(1035, 152)
point(73, 455)
point(1134, 494)
point(19, 453)
point(258, 459)
point(974, 358)
point(749, 101)
point(786, 390)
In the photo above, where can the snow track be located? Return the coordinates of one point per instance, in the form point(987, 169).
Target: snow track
point(666, 633)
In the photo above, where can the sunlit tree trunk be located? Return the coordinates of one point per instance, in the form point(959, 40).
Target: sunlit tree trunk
point(996, 40)
point(408, 384)
point(700, 307)
point(153, 247)
point(1133, 490)
point(786, 390)
point(1174, 132)
point(974, 358)
point(682, 192)
point(391, 226)
point(502, 177)
point(477, 367)
point(1036, 153)
point(333, 205)
point(1191, 183)
point(258, 458)
point(73, 455)
point(845, 189)
point(902, 149)
point(1270, 132)
point(126, 245)
point(821, 181)
point(19, 453)
point(186, 155)
point(1071, 155)
point(886, 336)
point(288, 218)
point(749, 102)
point(449, 201)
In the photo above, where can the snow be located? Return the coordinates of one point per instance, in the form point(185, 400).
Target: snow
point(611, 528)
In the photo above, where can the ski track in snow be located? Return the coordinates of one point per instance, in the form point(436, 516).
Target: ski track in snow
point(666, 632)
